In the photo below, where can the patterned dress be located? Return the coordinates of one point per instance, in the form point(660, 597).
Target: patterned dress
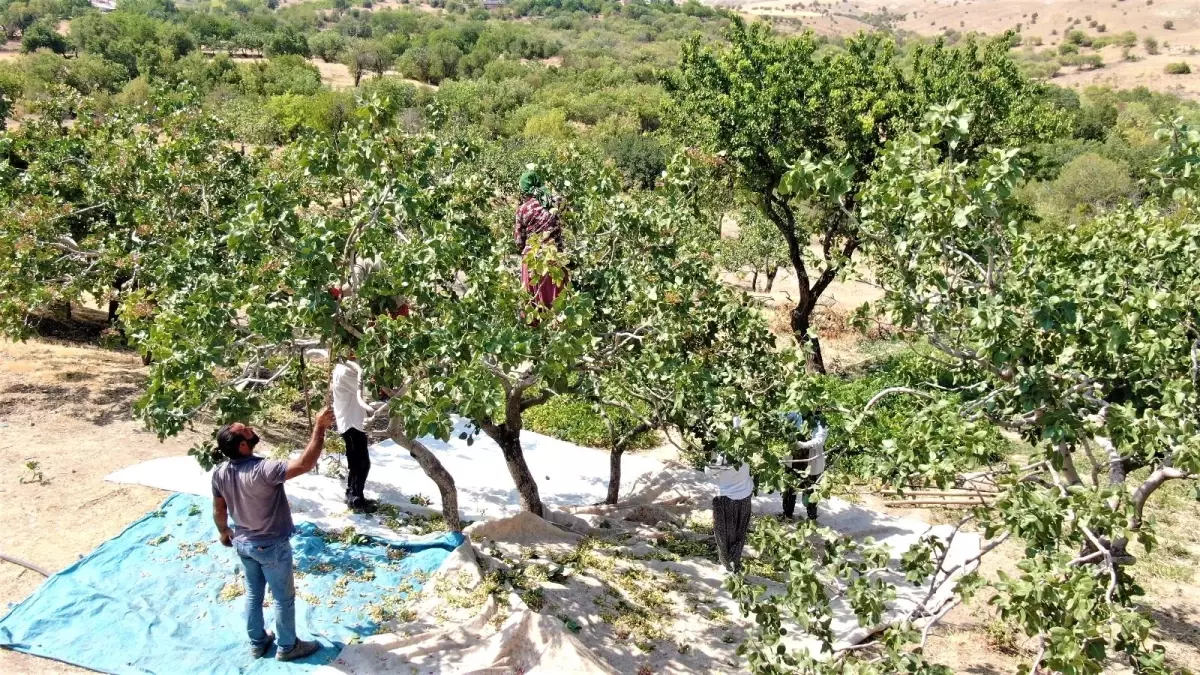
point(534, 219)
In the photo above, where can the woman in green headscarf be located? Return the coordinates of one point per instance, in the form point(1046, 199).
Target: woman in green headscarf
point(531, 183)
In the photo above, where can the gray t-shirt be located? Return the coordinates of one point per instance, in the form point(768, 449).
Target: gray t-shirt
point(253, 489)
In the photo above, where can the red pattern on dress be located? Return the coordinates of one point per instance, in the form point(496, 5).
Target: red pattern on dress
point(535, 219)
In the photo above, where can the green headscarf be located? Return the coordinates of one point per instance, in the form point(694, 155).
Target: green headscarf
point(531, 183)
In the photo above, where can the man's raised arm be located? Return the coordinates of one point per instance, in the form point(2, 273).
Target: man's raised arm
point(308, 459)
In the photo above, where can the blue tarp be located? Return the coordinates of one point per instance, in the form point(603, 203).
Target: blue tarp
point(150, 600)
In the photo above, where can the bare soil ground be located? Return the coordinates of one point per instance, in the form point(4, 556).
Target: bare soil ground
point(1054, 18)
point(65, 423)
point(1146, 72)
point(10, 50)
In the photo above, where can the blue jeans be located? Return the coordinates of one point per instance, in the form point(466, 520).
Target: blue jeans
point(269, 564)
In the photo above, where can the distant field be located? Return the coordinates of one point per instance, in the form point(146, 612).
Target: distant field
point(1054, 18)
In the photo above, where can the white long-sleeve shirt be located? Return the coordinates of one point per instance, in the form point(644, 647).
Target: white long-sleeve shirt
point(349, 408)
point(815, 447)
point(734, 482)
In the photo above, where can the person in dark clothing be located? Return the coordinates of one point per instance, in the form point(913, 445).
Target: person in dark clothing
point(807, 464)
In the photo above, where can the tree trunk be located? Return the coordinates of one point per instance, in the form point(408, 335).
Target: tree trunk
point(754, 280)
point(801, 323)
point(772, 270)
point(114, 305)
point(779, 213)
point(614, 475)
point(527, 487)
point(510, 444)
point(433, 468)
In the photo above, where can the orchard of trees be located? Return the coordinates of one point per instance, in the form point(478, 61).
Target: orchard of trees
point(1036, 249)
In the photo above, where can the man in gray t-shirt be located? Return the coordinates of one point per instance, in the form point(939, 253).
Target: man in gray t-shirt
point(250, 489)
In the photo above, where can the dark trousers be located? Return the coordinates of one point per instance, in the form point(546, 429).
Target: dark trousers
point(359, 463)
point(807, 483)
point(731, 521)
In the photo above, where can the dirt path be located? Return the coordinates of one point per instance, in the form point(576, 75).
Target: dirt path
point(67, 408)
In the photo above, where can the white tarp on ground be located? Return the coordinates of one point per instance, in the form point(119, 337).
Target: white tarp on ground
point(567, 475)
point(521, 642)
point(570, 478)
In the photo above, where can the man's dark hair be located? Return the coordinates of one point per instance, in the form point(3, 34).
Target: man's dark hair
point(229, 442)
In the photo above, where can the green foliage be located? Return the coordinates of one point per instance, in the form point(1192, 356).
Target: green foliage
point(286, 41)
point(367, 57)
point(1078, 38)
point(1089, 184)
point(281, 75)
point(327, 45)
point(575, 420)
point(752, 103)
point(1151, 44)
point(1177, 68)
point(42, 35)
point(757, 246)
point(1012, 341)
point(323, 112)
point(640, 158)
point(1077, 331)
point(894, 440)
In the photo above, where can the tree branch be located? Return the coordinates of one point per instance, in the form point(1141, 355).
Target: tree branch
point(893, 390)
point(1153, 482)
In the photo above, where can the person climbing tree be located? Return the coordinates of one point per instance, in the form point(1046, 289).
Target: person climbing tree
point(538, 219)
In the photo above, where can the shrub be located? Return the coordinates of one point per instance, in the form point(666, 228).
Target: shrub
point(1150, 44)
point(1089, 183)
point(1169, 25)
point(641, 159)
point(1078, 37)
point(288, 41)
point(41, 35)
point(1180, 68)
point(1085, 61)
point(327, 45)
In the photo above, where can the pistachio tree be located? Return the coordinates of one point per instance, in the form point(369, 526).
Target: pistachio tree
point(758, 246)
point(1083, 341)
point(396, 220)
point(94, 208)
point(801, 127)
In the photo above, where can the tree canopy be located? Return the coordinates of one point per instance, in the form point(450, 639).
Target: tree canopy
point(800, 125)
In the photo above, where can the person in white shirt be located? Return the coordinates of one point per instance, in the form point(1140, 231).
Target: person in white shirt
point(731, 508)
point(808, 464)
point(351, 412)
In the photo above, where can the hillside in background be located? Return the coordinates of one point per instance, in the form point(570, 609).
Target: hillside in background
point(1044, 27)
